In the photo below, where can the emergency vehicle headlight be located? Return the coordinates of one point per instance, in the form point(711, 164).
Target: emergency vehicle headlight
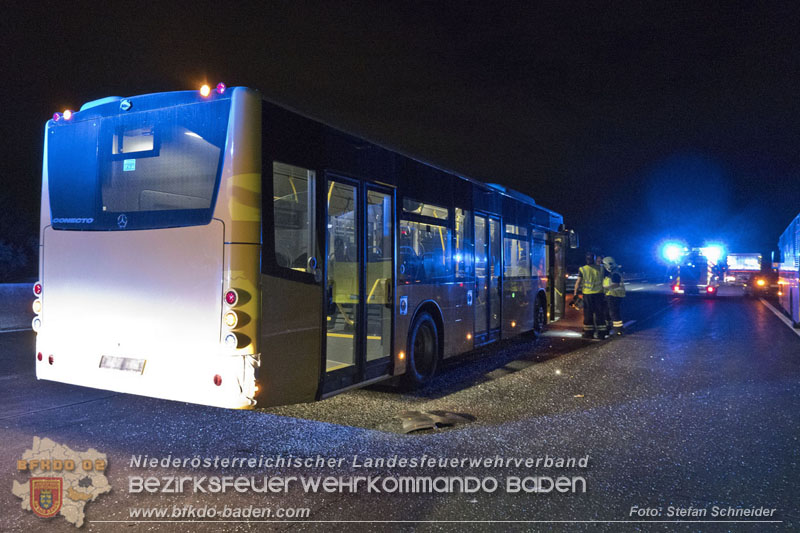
point(231, 341)
point(761, 282)
point(36, 324)
point(37, 306)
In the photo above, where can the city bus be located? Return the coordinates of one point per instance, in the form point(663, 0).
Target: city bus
point(788, 262)
point(215, 248)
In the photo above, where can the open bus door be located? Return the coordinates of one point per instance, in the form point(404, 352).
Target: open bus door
point(359, 292)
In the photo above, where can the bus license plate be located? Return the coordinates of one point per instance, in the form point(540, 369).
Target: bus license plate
point(122, 363)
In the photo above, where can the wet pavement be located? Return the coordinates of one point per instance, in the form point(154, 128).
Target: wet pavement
point(697, 406)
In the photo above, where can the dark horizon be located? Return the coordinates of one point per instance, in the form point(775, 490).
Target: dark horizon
point(637, 126)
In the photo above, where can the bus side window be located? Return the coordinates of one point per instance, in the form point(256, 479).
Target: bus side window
point(424, 252)
point(539, 258)
point(463, 246)
point(293, 212)
point(517, 255)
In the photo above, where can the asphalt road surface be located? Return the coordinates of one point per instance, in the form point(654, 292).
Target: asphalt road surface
point(696, 408)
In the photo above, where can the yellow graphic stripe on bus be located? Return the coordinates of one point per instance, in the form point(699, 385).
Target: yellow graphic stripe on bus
point(350, 336)
point(331, 368)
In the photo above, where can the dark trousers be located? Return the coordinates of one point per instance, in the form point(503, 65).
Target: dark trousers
point(594, 313)
point(614, 304)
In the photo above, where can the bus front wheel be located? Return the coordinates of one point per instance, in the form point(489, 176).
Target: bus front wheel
point(423, 351)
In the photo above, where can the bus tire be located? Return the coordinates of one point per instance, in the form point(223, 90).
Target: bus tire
point(423, 351)
point(539, 318)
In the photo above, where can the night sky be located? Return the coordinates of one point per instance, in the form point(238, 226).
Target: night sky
point(636, 123)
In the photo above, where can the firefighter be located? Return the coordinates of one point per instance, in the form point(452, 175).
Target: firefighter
point(614, 289)
point(590, 276)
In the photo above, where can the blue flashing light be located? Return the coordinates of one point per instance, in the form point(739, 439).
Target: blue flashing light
point(672, 252)
point(713, 252)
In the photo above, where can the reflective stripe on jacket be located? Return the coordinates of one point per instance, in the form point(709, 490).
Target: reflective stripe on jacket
point(614, 277)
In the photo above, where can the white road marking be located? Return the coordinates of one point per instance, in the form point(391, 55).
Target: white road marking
point(780, 315)
point(637, 289)
point(659, 284)
point(15, 330)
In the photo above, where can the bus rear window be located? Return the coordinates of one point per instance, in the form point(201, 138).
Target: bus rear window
point(142, 170)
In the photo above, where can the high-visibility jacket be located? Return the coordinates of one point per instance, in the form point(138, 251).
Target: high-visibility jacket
point(614, 277)
point(592, 279)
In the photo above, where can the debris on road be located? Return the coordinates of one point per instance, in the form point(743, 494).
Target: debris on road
point(417, 420)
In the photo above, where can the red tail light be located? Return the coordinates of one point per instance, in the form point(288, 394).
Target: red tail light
point(39, 356)
point(217, 380)
point(676, 288)
point(710, 289)
point(37, 288)
point(231, 297)
point(50, 359)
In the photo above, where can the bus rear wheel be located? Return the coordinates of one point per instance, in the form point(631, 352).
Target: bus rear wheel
point(423, 351)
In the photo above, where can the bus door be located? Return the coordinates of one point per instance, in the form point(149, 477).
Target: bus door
point(359, 282)
point(488, 264)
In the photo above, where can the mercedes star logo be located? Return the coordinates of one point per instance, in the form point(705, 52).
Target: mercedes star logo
point(122, 221)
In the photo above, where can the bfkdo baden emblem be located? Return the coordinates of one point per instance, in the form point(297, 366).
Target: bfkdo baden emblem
point(46, 495)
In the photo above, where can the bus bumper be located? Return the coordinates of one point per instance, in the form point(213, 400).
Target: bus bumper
point(207, 379)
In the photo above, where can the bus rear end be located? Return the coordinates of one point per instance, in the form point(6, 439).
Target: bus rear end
point(149, 247)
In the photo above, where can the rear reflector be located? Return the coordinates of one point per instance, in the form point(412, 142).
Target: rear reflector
point(39, 356)
point(217, 380)
point(50, 359)
point(37, 288)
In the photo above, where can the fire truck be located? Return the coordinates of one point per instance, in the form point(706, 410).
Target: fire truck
point(698, 273)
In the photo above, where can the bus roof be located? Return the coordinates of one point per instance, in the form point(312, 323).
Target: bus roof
point(109, 104)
